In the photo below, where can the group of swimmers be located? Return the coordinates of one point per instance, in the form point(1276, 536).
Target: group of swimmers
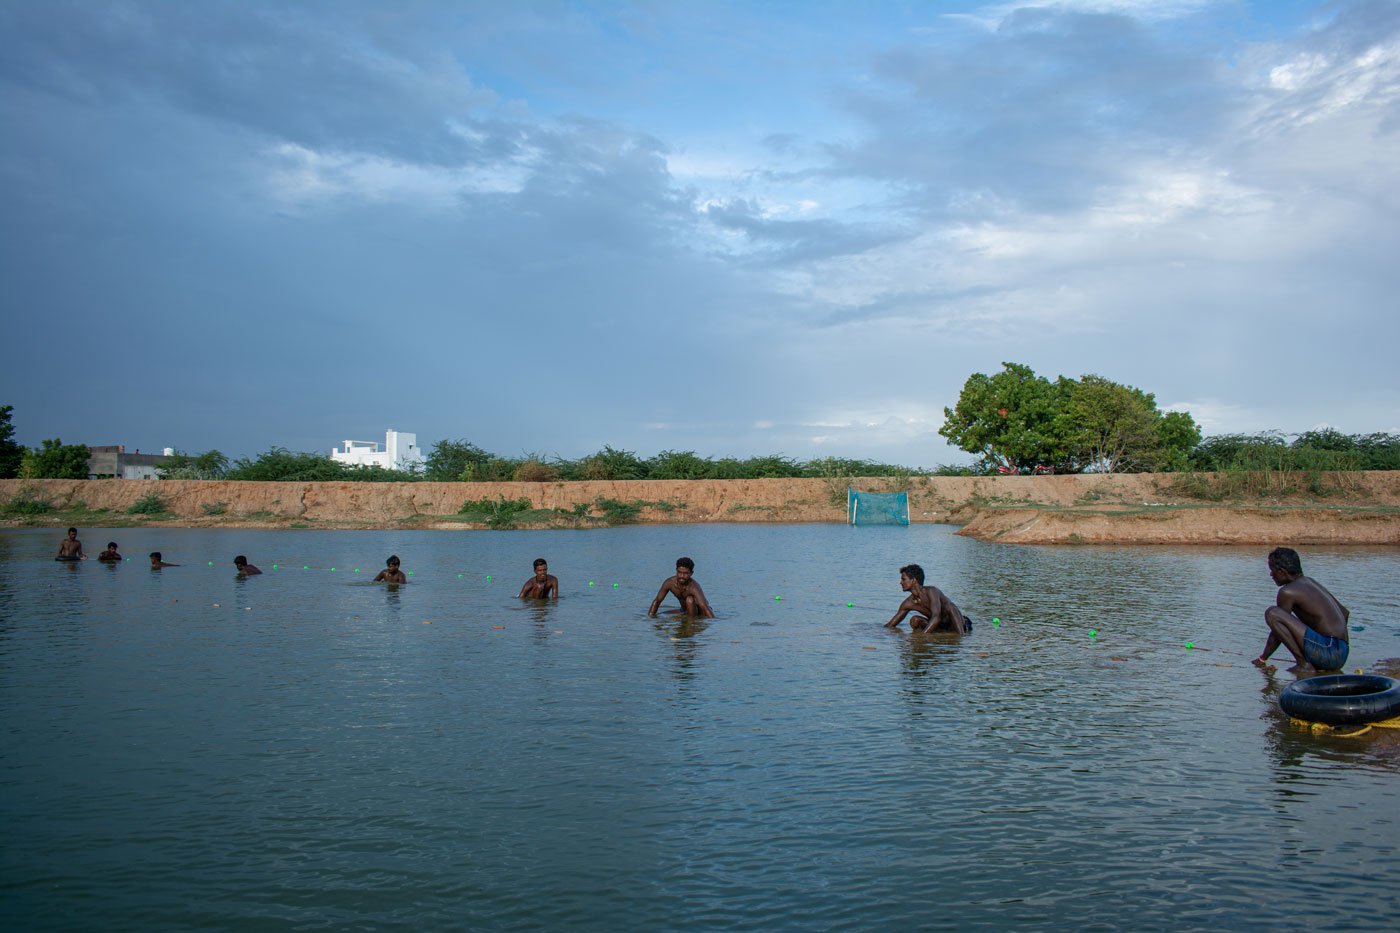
point(1306, 618)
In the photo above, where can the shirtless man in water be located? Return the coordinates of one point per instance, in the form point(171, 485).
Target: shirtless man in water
point(70, 548)
point(391, 572)
point(110, 555)
point(543, 585)
point(245, 569)
point(686, 590)
point(1307, 619)
point(933, 612)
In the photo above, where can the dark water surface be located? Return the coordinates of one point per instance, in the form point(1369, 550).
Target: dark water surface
point(306, 750)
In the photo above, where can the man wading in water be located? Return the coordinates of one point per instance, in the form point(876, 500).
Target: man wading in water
point(933, 612)
point(1307, 619)
point(686, 590)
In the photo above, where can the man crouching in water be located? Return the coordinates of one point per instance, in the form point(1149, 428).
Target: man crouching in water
point(686, 590)
point(933, 612)
point(1307, 619)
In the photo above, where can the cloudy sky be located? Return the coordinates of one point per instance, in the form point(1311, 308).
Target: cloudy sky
point(734, 228)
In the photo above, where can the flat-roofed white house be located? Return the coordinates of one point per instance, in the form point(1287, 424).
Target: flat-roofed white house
point(400, 452)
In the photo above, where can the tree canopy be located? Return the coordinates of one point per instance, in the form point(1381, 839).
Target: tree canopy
point(1018, 420)
point(53, 459)
point(11, 454)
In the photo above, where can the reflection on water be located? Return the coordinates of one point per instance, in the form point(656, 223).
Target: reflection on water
point(188, 748)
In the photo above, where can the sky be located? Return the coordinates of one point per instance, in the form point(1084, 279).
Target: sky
point(732, 228)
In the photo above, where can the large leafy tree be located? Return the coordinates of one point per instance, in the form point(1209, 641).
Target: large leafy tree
point(1011, 419)
point(1112, 428)
point(1018, 419)
point(209, 465)
point(11, 454)
point(53, 459)
point(1179, 434)
point(454, 461)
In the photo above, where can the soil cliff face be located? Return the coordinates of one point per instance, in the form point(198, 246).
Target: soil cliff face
point(1359, 508)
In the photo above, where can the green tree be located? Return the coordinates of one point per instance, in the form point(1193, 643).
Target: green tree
point(53, 459)
point(1111, 428)
point(278, 464)
point(454, 461)
point(11, 454)
point(1179, 434)
point(1013, 418)
point(612, 464)
point(678, 464)
point(209, 465)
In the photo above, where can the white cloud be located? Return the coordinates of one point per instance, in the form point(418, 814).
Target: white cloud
point(991, 17)
point(303, 177)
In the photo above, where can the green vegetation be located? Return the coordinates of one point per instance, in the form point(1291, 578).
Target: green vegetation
point(1018, 421)
point(496, 513)
point(26, 503)
point(149, 504)
point(281, 465)
point(209, 465)
point(11, 454)
point(53, 459)
point(511, 513)
point(214, 508)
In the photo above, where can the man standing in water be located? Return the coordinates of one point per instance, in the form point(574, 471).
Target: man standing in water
point(70, 548)
point(391, 572)
point(245, 569)
point(933, 612)
point(1307, 619)
point(542, 585)
point(686, 590)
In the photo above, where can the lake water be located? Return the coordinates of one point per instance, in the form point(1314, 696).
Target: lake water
point(307, 750)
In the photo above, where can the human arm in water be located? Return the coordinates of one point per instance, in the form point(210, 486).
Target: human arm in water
point(669, 586)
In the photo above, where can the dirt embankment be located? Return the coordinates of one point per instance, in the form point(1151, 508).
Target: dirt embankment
point(1138, 509)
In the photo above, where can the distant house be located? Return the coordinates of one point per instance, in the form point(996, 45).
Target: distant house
point(113, 462)
point(400, 452)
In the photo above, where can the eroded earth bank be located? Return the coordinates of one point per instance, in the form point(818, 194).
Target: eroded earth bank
point(1351, 508)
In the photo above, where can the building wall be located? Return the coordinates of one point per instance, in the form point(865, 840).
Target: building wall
point(400, 452)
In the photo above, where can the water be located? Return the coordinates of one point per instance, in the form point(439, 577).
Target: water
point(303, 750)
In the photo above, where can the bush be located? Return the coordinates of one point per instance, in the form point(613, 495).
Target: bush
point(533, 471)
point(618, 513)
point(214, 508)
point(499, 513)
point(149, 504)
point(26, 503)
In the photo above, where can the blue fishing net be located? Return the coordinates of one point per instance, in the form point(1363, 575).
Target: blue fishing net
point(877, 508)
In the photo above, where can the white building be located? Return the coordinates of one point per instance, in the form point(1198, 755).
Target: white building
point(400, 452)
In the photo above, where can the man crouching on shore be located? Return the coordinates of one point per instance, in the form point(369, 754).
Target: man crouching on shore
point(933, 612)
point(1307, 619)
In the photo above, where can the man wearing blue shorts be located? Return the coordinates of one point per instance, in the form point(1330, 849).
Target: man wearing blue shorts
point(1307, 619)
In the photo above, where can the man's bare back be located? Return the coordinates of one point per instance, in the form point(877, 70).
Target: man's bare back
point(1305, 618)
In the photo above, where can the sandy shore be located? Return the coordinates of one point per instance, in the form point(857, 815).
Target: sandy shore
point(1358, 508)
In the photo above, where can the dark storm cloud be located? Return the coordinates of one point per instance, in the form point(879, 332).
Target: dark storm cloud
point(315, 74)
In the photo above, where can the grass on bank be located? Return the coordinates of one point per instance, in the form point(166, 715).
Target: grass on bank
point(500, 513)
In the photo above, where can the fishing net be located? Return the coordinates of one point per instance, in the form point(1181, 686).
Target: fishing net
point(877, 508)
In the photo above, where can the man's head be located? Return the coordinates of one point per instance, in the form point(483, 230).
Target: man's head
point(685, 567)
point(541, 567)
point(72, 533)
point(1284, 562)
point(111, 545)
point(155, 557)
point(913, 572)
point(240, 561)
point(393, 561)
